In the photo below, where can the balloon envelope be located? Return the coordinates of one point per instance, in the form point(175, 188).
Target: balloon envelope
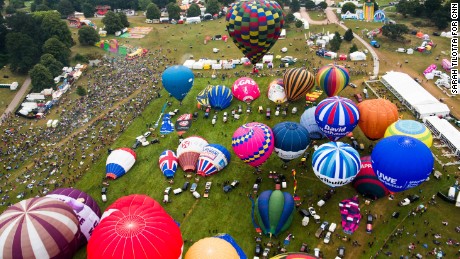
point(297, 82)
point(276, 91)
point(213, 158)
point(367, 183)
point(253, 143)
point(308, 121)
point(168, 163)
point(336, 163)
point(255, 26)
point(232, 241)
point(220, 97)
point(178, 80)
point(336, 117)
point(202, 97)
point(375, 116)
point(274, 211)
point(245, 89)
point(291, 140)
point(410, 128)
point(401, 162)
point(119, 162)
point(188, 152)
point(211, 248)
point(332, 79)
point(351, 215)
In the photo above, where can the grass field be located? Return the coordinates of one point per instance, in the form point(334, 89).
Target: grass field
point(6, 95)
point(317, 15)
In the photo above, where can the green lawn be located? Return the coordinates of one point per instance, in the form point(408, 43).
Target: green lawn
point(317, 15)
point(6, 95)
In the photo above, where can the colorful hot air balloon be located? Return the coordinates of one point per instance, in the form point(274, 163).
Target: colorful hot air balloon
point(336, 117)
point(351, 215)
point(202, 97)
point(188, 152)
point(39, 228)
point(178, 80)
point(148, 232)
point(336, 163)
point(213, 158)
point(168, 163)
point(220, 97)
point(276, 91)
point(367, 183)
point(245, 89)
point(332, 79)
point(410, 128)
point(308, 121)
point(119, 162)
point(292, 255)
point(86, 208)
point(255, 26)
point(291, 140)
point(375, 116)
point(253, 143)
point(297, 82)
point(274, 211)
point(232, 241)
point(211, 248)
point(401, 162)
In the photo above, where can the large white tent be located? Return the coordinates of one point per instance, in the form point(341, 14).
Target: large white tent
point(414, 96)
point(445, 131)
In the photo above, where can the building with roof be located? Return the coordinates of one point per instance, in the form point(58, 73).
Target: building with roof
point(444, 131)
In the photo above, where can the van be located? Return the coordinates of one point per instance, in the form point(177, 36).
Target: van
point(185, 186)
point(165, 198)
point(177, 191)
point(196, 195)
point(332, 227)
point(104, 197)
point(164, 19)
point(457, 204)
point(451, 193)
point(316, 252)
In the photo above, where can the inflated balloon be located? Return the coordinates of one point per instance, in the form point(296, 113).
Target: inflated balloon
point(297, 82)
point(245, 89)
point(188, 152)
point(375, 116)
point(213, 158)
point(351, 215)
point(255, 26)
point(232, 242)
point(39, 228)
point(276, 91)
point(168, 163)
point(119, 162)
point(274, 211)
point(296, 255)
point(202, 97)
point(332, 79)
point(411, 128)
point(291, 140)
point(253, 143)
point(401, 162)
point(129, 200)
point(178, 80)
point(220, 97)
point(336, 163)
point(336, 117)
point(367, 183)
point(211, 248)
point(308, 121)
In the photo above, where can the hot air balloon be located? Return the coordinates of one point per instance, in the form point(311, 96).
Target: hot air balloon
point(166, 125)
point(245, 89)
point(410, 128)
point(202, 97)
point(188, 152)
point(401, 162)
point(351, 215)
point(292, 255)
point(148, 231)
point(211, 248)
point(255, 26)
point(220, 97)
point(129, 200)
point(119, 162)
point(375, 116)
point(367, 183)
point(213, 158)
point(308, 121)
point(232, 242)
point(332, 79)
point(336, 163)
point(183, 123)
point(168, 163)
point(86, 208)
point(276, 91)
point(253, 143)
point(39, 228)
point(178, 80)
point(291, 140)
point(274, 211)
point(336, 117)
point(297, 82)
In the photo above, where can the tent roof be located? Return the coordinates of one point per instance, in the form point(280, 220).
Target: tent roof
point(446, 129)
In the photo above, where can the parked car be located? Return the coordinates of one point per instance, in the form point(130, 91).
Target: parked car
point(288, 59)
point(352, 85)
point(258, 250)
point(235, 183)
point(370, 221)
point(266, 252)
point(304, 213)
point(395, 215)
point(327, 238)
point(358, 97)
point(167, 190)
point(324, 225)
point(312, 211)
point(227, 188)
point(316, 252)
point(136, 144)
point(332, 227)
point(304, 248)
point(208, 185)
point(341, 251)
point(410, 199)
point(147, 134)
point(185, 186)
point(104, 190)
point(319, 232)
point(193, 187)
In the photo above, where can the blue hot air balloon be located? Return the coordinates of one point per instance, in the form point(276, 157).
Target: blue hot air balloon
point(308, 121)
point(119, 162)
point(168, 163)
point(336, 163)
point(220, 97)
point(401, 162)
point(178, 80)
point(213, 158)
point(274, 211)
point(291, 140)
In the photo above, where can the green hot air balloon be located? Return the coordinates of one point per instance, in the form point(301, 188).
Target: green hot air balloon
point(274, 211)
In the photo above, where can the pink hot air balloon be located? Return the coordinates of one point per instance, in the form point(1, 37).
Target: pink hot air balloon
point(253, 143)
point(245, 89)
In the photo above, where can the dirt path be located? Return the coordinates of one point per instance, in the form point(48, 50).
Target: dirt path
point(17, 99)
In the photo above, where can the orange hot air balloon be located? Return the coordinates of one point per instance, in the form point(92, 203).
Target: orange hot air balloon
point(375, 117)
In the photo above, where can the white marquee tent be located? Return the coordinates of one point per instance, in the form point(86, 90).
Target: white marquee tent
point(445, 131)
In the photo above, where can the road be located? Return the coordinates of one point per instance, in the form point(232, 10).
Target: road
point(17, 99)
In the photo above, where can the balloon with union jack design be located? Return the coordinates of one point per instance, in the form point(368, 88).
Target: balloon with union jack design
point(213, 158)
point(168, 163)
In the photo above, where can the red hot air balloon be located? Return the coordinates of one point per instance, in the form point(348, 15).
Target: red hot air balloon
point(188, 152)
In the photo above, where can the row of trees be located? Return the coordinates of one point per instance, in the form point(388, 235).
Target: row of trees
point(433, 10)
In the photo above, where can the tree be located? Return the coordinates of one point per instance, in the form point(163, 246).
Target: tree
point(33, 7)
point(353, 48)
point(58, 49)
point(42, 7)
point(153, 12)
point(41, 78)
point(54, 66)
point(193, 11)
point(404, 7)
point(66, 8)
point(212, 7)
point(88, 9)
point(10, 9)
point(143, 4)
point(173, 11)
point(17, 3)
point(123, 19)
point(2, 3)
point(81, 91)
point(294, 5)
point(112, 22)
point(348, 36)
point(349, 7)
point(309, 5)
point(394, 31)
point(88, 36)
point(335, 42)
point(161, 3)
point(289, 18)
point(322, 5)
point(23, 51)
point(52, 25)
point(441, 17)
point(298, 24)
point(431, 6)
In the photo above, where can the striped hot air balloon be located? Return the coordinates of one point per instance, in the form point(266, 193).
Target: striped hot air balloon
point(332, 79)
point(188, 152)
point(220, 97)
point(168, 163)
point(202, 96)
point(297, 82)
point(253, 143)
point(39, 228)
point(213, 158)
point(274, 211)
point(119, 162)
